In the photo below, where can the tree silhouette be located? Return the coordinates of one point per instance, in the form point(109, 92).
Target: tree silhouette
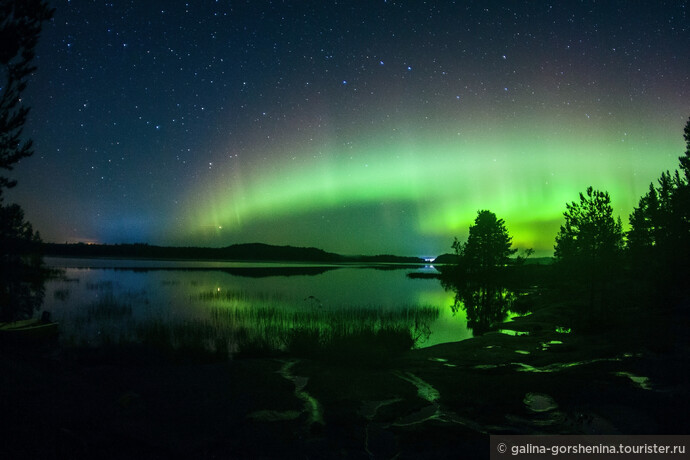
point(20, 28)
point(659, 236)
point(645, 226)
point(488, 245)
point(21, 277)
point(685, 160)
point(590, 236)
point(589, 244)
point(20, 273)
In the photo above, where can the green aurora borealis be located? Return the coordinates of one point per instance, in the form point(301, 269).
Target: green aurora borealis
point(429, 185)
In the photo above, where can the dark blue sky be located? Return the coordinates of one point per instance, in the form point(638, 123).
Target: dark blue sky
point(333, 124)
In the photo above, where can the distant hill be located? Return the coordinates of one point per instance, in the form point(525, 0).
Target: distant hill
point(260, 251)
point(238, 252)
point(385, 258)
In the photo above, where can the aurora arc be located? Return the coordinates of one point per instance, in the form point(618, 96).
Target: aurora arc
point(525, 173)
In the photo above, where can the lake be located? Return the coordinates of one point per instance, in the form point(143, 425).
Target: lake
point(101, 301)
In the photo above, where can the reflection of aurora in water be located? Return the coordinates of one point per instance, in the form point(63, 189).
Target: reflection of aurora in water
point(93, 304)
point(275, 326)
point(235, 327)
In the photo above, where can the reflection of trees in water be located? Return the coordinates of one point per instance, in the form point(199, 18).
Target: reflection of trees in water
point(22, 275)
point(485, 305)
point(22, 287)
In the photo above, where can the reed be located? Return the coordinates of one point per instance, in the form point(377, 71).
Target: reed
point(355, 334)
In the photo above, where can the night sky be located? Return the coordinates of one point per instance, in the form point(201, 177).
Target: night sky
point(357, 127)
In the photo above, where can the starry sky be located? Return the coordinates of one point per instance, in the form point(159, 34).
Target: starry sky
point(357, 127)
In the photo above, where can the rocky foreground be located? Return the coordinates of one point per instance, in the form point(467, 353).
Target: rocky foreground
point(535, 376)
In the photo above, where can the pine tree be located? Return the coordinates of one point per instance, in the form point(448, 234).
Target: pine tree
point(20, 28)
point(685, 160)
point(659, 237)
point(590, 235)
point(589, 247)
point(488, 245)
point(644, 226)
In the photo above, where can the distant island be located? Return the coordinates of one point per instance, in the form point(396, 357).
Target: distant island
point(254, 252)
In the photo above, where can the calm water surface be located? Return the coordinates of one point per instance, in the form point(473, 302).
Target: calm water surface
point(99, 297)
